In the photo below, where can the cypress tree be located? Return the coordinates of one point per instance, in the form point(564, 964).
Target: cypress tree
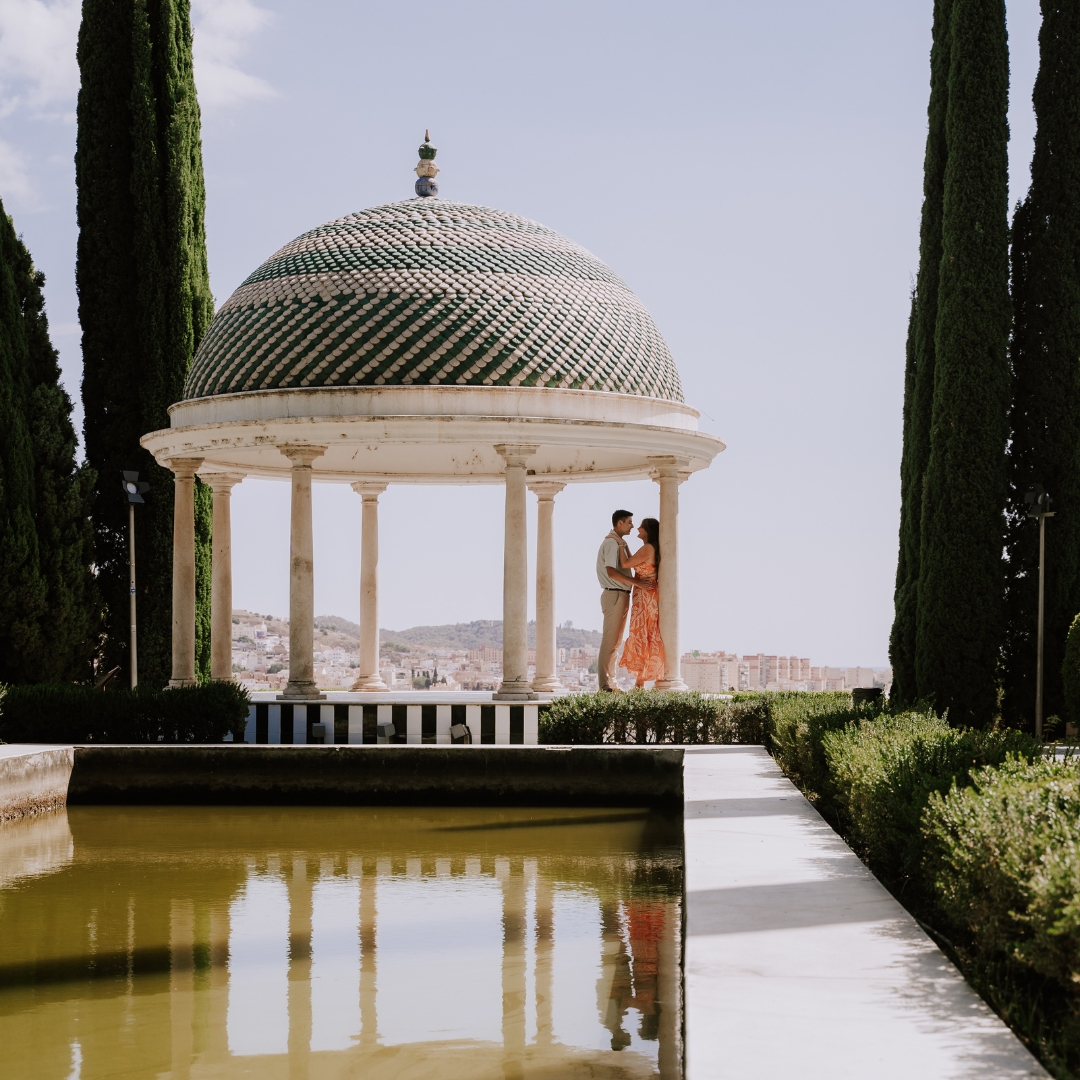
point(919, 367)
point(144, 296)
point(49, 608)
point(959, 609)
point(1045, 354)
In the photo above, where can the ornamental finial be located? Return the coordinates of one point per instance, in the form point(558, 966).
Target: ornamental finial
point(426, 169)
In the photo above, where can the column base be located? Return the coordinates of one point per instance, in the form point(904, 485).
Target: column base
point(371, 683)
point(176, 684)
point(301, 691)
point(547, 684)
point(671, 684)
point(515, 691)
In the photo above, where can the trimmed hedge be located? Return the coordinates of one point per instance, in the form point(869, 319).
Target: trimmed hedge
point(653, 716)
point(883, 770)
point(77, 714)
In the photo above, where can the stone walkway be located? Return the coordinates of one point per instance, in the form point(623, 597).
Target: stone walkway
point(798, 962)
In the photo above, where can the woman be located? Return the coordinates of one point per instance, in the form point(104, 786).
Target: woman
point(643, 653)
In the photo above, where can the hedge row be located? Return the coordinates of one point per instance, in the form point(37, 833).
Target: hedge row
point(653, 716)
point(78, 714)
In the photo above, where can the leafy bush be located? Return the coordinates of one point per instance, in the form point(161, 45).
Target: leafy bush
point(76, 714)
point(883, 770)
point(799, 723)
point(1004, 854)
point(653, 716)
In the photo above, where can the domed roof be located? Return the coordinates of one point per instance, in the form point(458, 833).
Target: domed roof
point(433, 292)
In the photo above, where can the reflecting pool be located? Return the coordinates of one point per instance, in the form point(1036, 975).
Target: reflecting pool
point(323, 942)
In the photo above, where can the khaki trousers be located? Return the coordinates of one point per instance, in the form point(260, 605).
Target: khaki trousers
point(614, 603)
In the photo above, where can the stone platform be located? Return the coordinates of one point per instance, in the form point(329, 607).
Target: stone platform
point(415, 716)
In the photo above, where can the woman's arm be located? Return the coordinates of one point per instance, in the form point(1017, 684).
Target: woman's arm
point(643, 555)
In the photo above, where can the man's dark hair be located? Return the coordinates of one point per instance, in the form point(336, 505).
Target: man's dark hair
point(619, 515)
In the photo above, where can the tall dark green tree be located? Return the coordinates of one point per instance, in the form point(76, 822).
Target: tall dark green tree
point(959, 609)
point(919, 366)
point(49, 605)
point(1045, 354)
point(144, 296)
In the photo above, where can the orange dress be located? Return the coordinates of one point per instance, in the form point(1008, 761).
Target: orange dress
point(643, 653)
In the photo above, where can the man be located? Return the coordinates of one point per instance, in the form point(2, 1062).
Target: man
point(615, 599)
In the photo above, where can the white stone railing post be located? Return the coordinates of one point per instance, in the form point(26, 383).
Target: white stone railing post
point(221, 573)
point(301, 577)
point(369, 678)
point(515, 681)
point(545, 681)
point(183, 582)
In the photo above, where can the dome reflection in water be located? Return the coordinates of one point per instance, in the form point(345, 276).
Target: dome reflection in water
point(325, 942)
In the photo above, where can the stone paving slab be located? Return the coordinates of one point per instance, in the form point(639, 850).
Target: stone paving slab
point(798, 962)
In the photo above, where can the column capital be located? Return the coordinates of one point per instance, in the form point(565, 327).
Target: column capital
point(545, 489)
point(184, 468)
point(221, 482)
point(302, 456)
point(515, 454)
point(669, 467)
point(369, 489)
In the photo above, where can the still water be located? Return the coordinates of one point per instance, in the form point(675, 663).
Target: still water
point(322, 942)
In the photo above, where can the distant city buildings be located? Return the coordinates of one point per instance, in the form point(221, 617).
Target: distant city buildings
point(717, 672)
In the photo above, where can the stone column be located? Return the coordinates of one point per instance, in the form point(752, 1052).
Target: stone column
point(669, 473)
point(221, 573)
point(301, 577)
point(515, 681)
point(183, 574)
point(545, 680)
point(369, 677)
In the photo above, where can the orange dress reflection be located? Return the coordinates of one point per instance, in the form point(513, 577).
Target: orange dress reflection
point(643, 653)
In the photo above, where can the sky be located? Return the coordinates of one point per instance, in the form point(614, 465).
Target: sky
point(752, 171)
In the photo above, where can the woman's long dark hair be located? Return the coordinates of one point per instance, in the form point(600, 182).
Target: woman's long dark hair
point(652, 533)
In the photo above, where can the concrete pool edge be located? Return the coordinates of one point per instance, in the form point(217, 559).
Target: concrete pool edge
point(33, 779)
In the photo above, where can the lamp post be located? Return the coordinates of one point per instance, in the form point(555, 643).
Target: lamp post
point(1039, 507)
point(133, 489)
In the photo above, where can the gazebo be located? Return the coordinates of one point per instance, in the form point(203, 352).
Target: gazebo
point(425, 342)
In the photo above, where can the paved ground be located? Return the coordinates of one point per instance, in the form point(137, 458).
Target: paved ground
point(798, 962)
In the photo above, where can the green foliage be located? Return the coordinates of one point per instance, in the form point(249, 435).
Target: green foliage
point(883, 770)
point(144, 296)
point(49, 608)
point(1045, 417)
point(959, 611)
point(653, 716)
point(77, 714)
point(919, 365)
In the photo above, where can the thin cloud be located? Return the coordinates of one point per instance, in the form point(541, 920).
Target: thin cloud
point(223, 30)
point(16, 186)
point(38, 71)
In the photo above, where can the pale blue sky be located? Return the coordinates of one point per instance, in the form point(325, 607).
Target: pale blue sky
point(752, 171)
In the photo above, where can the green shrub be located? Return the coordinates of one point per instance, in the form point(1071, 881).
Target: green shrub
point(653, 716)
point(1004, 854)
point(76, 714)
point(799, 723)
point(881, 773)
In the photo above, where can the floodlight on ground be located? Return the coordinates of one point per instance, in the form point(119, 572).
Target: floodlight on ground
point(460, 731)
point(386, 732)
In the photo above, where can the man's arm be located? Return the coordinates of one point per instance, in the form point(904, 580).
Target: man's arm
point(618, 575)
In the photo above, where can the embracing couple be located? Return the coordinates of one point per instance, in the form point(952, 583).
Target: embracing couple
point(621, 575)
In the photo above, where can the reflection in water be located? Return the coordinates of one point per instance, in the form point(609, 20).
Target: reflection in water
point(318, 942)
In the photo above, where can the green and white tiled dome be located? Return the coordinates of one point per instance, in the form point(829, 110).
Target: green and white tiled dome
point(430, 292)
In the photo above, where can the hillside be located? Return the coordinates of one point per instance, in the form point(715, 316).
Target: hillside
point(484, 633)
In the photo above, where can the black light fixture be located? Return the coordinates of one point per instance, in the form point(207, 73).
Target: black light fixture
point(134, 488)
